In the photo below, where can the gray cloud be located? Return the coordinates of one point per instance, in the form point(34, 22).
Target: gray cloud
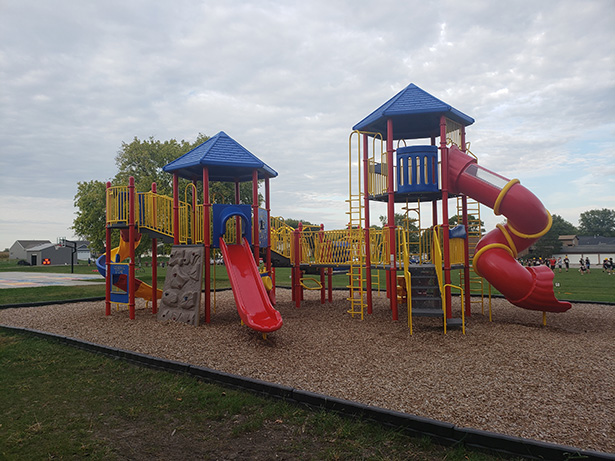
point(289, 79)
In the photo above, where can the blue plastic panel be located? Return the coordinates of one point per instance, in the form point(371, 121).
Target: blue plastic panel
point(417, 169)
point(222, 213)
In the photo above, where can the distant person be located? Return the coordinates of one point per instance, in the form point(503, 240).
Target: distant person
point(606, 266)
point(587, 264)
point(567, 263)
point(559, 263)
point(552, 262)
point(611, 265)
point(582, 266)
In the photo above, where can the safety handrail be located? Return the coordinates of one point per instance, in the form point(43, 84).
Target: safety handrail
point(436, 257)
point(463, 317)
point(117, 204)
point(407, 276)
point(281, 237)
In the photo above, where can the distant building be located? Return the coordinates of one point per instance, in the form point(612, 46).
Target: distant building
point(19, 248)
point(49, 254)
point(43, 252)
point(595, 248)
point(568, 241)
point(83, 250)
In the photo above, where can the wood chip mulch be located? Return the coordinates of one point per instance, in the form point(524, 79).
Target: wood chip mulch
point(512, 375)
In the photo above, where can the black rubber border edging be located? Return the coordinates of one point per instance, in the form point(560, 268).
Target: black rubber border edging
point(442, 432)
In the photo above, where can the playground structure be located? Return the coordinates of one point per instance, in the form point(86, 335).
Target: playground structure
point(384, 167)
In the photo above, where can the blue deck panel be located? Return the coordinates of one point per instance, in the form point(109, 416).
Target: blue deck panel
point(415, 114)
point(226, 159)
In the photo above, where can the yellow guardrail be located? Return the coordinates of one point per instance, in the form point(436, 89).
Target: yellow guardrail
point(436, 258)
point(379, 247)
point(463, 316)
point(117, 204)
point(407, 276)
point(281, 237)
point(156, 212)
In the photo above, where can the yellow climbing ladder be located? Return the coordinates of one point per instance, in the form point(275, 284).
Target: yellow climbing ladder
point(356, 239)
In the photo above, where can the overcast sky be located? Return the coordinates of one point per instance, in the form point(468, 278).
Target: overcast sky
point(288, 80)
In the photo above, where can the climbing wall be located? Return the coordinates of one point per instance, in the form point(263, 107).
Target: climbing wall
point(181, 297)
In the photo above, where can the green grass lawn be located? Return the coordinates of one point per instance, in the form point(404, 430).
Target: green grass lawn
point(59, 402)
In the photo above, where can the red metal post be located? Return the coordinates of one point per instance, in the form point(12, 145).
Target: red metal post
point(368, 253)
point(445, 227)
point(154, 256)
point(466, 243)
point(207, 244)
point(237, 218)
point(268, 209)
point(193, 222)
point(131, 238)
point(391, 220)
point(255, 220)
point(108, 276)
point(175, 209)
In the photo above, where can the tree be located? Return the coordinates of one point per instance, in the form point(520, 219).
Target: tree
point(90, 221)
point(597, 222)
point(472, 223)
point(400, 221)
point(294, 223)
point(549, 244)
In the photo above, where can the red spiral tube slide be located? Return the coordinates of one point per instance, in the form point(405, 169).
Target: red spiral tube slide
point(527, 221)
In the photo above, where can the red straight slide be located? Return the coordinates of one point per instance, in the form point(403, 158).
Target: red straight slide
point(252, 301)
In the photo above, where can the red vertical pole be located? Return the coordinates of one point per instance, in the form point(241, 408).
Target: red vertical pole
point(193, 222)
point(237, 218)
point(368, 253)
point(268, 209)
point(175, 209)
point(466, 243)
point(131, 238)
point(391, 220)
point(255, 226)
point(207, 243)
point(445, 226)
point(154, 256)
point(108, 275)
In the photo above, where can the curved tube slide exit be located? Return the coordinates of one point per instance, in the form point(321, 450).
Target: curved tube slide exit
point(527, 221)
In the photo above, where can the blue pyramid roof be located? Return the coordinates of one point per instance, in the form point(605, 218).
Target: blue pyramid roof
point(415, 114)
point(226, 159)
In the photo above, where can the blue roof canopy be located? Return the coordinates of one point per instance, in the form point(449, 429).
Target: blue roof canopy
point(415, 114)
point(226, 159)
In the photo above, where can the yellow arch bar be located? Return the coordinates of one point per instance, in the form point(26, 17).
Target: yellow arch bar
point(491, 246)
point(503, 192)
point(511, 244)
point(536, 235)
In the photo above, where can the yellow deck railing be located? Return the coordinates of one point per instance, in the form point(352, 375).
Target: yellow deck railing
point(407, 276)
point(156, 213)
point(117, 204)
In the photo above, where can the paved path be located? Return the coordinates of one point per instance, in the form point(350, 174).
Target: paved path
point(40, 279)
